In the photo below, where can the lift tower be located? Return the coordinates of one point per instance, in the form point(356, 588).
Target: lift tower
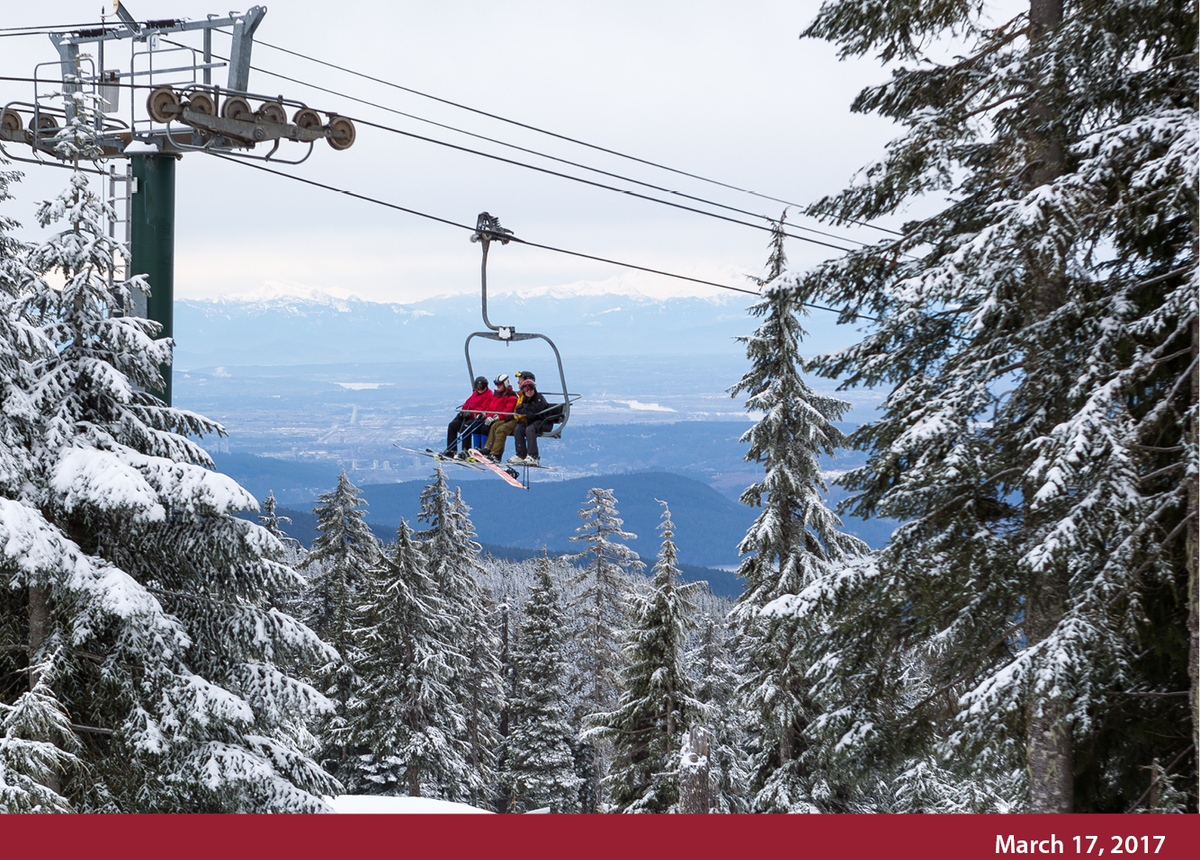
point(184, 111)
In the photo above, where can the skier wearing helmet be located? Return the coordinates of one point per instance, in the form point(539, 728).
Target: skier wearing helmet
point(504, 408)
point(470, 417)
point(504, 399)
point(531, 413)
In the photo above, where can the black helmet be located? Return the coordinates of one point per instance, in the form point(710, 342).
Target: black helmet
point(525, 374)
point(481, 380)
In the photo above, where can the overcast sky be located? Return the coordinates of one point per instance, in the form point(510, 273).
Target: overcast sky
point(721, 89)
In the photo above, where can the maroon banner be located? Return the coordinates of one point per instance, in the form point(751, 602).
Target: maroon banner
point(613, 837)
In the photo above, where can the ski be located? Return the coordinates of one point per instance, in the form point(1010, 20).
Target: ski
point(527, 466)
point(429, 452)
point(509, 475)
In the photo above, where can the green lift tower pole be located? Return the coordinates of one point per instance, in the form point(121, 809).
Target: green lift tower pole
point(152, 240)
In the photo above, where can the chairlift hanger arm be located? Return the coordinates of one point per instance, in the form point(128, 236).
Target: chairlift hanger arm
point(488, 230)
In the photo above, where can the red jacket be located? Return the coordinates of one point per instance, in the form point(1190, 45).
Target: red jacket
point(502, 404)
point(477, 402)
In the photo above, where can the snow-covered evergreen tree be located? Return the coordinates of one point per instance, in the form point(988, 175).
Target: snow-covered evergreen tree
point(601, 602)
point(717, 681)
point(452, 556)
point(291, 599)
point(273, 522)
point(158, 679)
point(929, 785)
point(539, 766)
point(405, 715)
point(37, 744)
point(1037, 332)
point(343, 552)
point(795, 541)
point(21, 343)
point(657, 703)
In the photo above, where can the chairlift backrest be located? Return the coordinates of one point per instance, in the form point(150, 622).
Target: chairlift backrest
point(567, 398)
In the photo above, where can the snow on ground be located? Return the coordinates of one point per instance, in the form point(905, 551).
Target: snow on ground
point(373, 805)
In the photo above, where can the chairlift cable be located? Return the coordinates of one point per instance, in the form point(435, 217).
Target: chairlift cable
point(594, 184)
point(541, 154)
point(557, 135)
point(46, 29)
point(529, 243)
point(414, 135)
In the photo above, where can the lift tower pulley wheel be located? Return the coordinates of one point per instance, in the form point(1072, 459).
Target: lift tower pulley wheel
point(272, 112)
point(237, 108)
point(306, 118)
point(202, 103)
point(162, 104)
point(341, 133)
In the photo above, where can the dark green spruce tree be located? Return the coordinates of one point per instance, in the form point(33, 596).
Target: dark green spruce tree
point(343, 553)
point(1036, 333)
point(599, 623)
point(405, 713)
point(657, 700)
point(717, 681)
point(452, 558)
point(540, 763)
point(794, 542)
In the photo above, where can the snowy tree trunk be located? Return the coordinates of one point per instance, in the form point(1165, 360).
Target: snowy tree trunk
point(1049, 745)
point(1192, 547)
point(39, 622)
point(785, 724)
point(1047, 153)
point(506, 670)
point(39, 629)
point(1048, 740)
point(693, 773)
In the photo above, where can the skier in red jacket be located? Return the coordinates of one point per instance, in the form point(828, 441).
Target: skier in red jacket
point(471, 416)
point(504, 399)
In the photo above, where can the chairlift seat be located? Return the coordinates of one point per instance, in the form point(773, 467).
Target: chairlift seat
point(553, 420)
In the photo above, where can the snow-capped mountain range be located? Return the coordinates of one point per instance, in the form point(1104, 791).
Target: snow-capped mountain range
point(275, 326)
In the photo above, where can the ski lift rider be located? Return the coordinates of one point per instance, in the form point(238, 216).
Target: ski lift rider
point(501, 417)
point(531, 414)
point(470, 417)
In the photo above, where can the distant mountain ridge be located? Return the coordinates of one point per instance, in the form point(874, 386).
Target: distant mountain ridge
point(514, 523)
point(709, 523)
point(708, 526)
point(320, 328)
point(303, 527)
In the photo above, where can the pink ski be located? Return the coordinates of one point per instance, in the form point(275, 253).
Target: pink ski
point(485, 461)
